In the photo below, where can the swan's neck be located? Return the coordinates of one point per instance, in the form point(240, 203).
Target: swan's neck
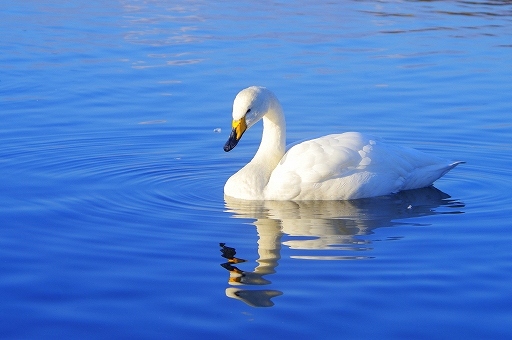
point(273, 141)
point(250, 181)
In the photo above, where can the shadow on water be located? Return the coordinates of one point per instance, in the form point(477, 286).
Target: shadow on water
point(321, 225)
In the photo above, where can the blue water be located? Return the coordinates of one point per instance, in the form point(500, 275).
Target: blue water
point(114, 115)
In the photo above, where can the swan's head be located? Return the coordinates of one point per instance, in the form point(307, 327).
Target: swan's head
point(250, 105)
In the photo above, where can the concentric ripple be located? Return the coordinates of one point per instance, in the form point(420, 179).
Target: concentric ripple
point(119, 172)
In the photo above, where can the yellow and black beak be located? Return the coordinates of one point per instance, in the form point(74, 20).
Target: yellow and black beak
point(239, 127)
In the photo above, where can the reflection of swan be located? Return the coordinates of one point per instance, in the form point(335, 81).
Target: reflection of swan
point(335, 225)
point(330, 226)
point(343, 166)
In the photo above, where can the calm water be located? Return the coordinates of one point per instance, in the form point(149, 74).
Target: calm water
point(114, 115)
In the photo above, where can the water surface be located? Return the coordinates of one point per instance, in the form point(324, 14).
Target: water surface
point(113, 120)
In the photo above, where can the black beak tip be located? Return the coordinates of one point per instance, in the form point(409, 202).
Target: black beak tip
point(231, 143)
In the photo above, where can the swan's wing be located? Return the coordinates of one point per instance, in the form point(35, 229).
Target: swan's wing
point(325, 157)
point(350, 165)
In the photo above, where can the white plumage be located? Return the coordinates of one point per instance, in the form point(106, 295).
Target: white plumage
point(343, 166)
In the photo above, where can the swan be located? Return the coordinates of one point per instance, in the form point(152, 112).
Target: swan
point(344, 166)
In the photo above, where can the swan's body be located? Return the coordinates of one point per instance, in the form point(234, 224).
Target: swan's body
point(335, 167)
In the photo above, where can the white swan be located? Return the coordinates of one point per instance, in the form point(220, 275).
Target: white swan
point(343, 166)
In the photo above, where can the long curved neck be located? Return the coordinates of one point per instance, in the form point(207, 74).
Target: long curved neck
point(250, 181)
point(273, 141)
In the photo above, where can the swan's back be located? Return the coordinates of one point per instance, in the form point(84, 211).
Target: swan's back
point(349, 166)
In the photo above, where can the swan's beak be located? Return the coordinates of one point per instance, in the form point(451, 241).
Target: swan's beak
point(239, 127)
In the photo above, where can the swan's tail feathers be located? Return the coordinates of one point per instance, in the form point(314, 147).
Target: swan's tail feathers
point(451, 166)
point(454, 164)
point(426, 176)
point(448, 168)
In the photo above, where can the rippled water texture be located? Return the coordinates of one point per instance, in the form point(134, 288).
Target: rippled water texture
point(113, 219)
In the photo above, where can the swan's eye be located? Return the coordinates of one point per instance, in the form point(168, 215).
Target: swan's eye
point(248, 110)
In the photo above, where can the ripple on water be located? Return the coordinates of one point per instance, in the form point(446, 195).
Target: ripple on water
point(484, 182)
point(122, 172)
